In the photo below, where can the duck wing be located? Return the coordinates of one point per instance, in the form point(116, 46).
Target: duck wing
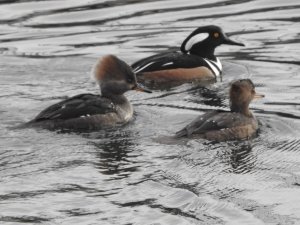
point(214, 120)
point(77, 106)
point(169, 60)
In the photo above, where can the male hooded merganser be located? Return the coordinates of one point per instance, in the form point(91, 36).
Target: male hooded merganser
point(219, 125)
point(89, 111)
point(196, 61)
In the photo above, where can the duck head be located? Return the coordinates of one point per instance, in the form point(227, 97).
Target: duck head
point(204, 40)
point(115, 77)
point(242, 92)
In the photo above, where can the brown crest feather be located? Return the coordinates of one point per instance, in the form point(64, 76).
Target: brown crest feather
point(111, 67)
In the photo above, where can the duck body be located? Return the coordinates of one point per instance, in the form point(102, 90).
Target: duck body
point(236, 124)
point(194, 61)
point(84, 112)
point(90, 111)
point(221, 126)
point(177, 66)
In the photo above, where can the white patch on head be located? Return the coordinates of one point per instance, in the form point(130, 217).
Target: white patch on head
point(169, 63)
point(138, 69)
point(195, 39)
point(63, 106)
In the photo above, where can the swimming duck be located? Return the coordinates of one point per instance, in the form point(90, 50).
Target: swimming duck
point(195, 61)
point(89, 111)
point(219, 125)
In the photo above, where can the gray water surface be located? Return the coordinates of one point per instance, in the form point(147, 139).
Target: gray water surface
point(126, 175)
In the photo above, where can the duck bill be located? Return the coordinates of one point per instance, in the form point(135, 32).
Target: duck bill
point(258, 96)
point(231, 42)
point(139, 87)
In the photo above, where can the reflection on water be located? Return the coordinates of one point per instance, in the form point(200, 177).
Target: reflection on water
point(124, 175)
point(114, 154)
point(241, 158)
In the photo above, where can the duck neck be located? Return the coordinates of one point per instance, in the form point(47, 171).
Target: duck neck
point(241, 108)
point(204, 51)
point(117, 99)
point(114, 92)
point(123, 107)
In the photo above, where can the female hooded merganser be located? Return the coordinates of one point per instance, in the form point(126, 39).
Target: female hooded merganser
point(196, 61)
point(89, 111)
point(219, 125)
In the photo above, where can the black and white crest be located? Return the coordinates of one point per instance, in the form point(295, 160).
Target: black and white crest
point(194, 40)
point(197, 50)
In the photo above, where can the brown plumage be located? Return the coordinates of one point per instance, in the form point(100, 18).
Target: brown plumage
point(219, 125)
point(110, 67)
point(181, 74)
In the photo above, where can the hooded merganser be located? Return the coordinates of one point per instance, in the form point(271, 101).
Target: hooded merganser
point(89, 111)
point(219, 125)
point(196, 61)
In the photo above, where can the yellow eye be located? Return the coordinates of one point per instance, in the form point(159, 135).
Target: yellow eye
point(216, 35)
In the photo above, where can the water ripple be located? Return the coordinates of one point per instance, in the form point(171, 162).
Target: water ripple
point(47, 51)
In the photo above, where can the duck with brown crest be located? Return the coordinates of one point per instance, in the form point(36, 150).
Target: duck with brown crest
point(89, 111)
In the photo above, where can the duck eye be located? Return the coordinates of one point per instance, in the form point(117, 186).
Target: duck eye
point(216, 34)
point(130, 80)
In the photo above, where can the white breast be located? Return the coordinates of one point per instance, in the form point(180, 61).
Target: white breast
point(215, 66)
